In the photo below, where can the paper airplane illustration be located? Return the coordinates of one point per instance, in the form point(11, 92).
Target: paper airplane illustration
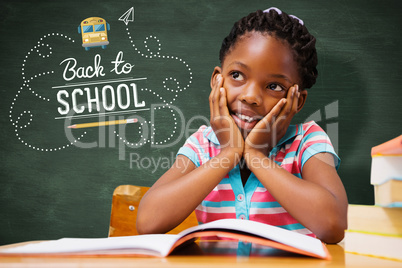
point(127, 16)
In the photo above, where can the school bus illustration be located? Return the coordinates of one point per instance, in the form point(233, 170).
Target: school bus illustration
point(94, 32)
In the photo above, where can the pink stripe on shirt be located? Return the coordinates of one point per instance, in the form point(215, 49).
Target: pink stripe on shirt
point(208, 216)
point(220, 195)
point(274, 219)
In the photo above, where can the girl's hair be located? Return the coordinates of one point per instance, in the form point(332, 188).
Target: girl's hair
point(284, 27)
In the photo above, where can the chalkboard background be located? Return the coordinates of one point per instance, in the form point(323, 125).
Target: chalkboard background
point(58, 182)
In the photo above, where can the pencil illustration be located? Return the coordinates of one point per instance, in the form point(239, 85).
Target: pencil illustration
point(105, 123)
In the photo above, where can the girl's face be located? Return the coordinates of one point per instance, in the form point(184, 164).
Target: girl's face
point(258, 72)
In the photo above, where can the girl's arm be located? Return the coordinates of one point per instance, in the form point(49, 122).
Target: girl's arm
point(179, 191)
point(318, 201)
point(182, 188)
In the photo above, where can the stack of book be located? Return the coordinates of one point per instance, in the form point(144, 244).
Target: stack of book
point(377, 230)
point(386, 173)
point(374, 231)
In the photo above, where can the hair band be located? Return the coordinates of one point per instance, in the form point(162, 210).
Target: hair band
point(280, 12)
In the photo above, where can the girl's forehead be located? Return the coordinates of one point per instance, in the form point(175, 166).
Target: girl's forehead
point(258, 46)
point(264, 55)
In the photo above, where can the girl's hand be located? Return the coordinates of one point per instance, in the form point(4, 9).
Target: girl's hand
point(267, 133)
point(222, 123)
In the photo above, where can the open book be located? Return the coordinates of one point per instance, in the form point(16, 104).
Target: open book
point(161, 245)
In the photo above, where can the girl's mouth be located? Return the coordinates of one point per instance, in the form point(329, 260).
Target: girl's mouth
point(247, 118)
point(245, 122)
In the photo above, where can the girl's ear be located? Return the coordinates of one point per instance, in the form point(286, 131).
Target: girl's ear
point(217, 70)
point(302, 99)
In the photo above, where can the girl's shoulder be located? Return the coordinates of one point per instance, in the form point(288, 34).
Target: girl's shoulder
point(308, 127)
point(298, 133)
point(205, 134)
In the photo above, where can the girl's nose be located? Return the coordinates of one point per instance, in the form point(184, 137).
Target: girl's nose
point(251, 95)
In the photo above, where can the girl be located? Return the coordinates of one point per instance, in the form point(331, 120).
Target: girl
point(251, 163)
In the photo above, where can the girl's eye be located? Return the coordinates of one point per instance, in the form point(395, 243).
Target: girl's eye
point(237, 76)
point(275, 87)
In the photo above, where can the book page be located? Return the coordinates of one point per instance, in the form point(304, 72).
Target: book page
point(156, 245)
point(290, 238)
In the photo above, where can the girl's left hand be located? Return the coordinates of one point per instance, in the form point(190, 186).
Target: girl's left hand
point(267, 133)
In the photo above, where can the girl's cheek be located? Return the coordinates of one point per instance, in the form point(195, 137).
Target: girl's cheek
point(230, 95)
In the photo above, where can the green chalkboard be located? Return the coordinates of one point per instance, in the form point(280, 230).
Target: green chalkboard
point(57, 181)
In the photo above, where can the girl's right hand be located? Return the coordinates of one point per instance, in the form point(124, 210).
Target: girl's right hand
point(222, 123)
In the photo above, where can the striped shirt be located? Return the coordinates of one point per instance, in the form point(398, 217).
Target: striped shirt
point(229, 199)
